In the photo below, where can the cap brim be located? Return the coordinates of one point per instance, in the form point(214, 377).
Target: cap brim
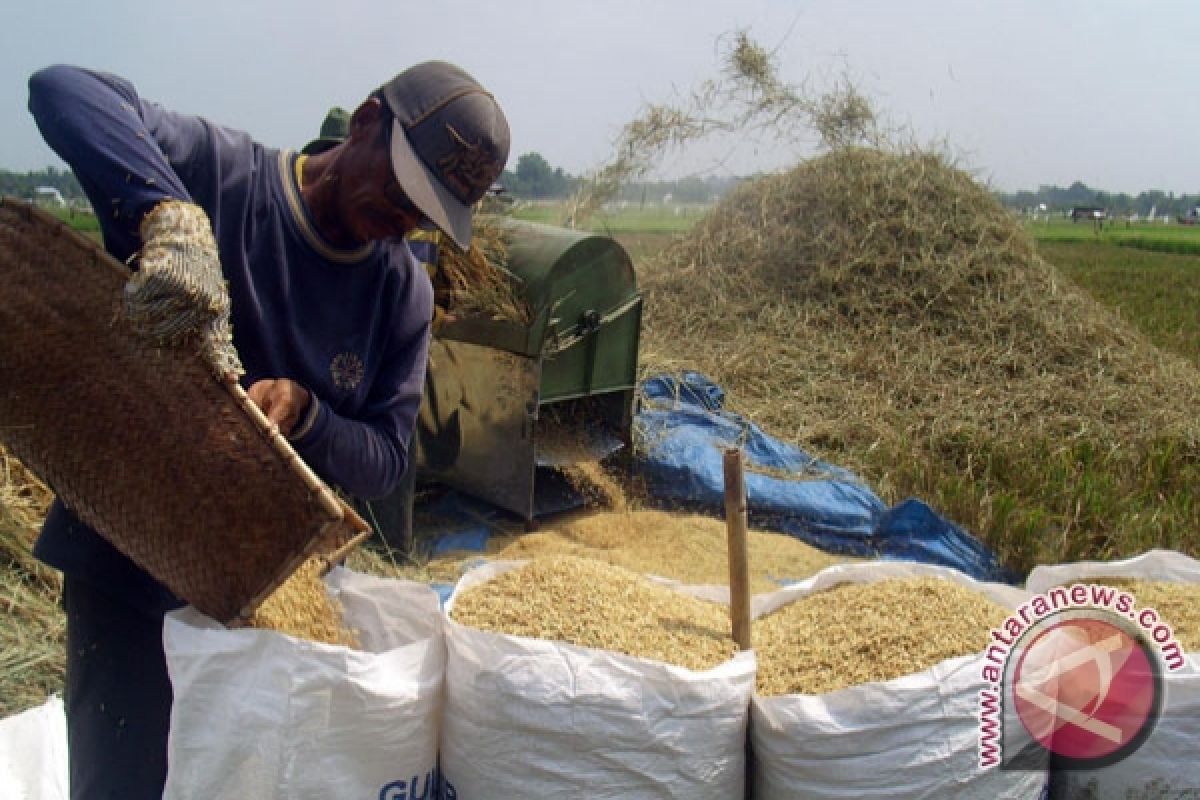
point(434, 200)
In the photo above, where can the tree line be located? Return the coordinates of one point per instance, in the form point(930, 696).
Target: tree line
point(1078, 195)
point(533, 178)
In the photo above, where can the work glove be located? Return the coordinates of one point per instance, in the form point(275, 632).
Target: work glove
point(178, 293)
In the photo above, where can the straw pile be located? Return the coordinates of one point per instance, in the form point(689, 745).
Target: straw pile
point(32, 625)
point(882, 305)
point(583, 602)
point(859, 633)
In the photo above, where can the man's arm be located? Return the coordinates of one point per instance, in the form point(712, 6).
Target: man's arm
point(97, 124)
point(367, 455)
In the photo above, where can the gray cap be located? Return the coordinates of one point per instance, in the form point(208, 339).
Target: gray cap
point(449, 142)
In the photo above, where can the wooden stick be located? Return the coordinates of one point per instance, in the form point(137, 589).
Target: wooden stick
point(739, 561)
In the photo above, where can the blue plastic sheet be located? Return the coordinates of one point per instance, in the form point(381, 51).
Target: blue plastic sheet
point(682, 431)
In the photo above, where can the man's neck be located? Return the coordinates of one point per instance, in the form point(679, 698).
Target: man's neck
point(318, 182)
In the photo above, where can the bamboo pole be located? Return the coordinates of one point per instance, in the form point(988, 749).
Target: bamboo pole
point(739, 566)
point(332, 559)
point(320, 492)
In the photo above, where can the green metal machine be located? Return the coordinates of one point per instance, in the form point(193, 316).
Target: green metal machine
point(507, 404)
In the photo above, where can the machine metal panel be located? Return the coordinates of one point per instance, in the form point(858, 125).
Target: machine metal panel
point(475, 429)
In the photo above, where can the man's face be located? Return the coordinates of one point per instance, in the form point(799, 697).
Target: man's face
point(374, 205)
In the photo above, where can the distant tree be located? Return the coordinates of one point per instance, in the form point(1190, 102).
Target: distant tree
point(535, 178)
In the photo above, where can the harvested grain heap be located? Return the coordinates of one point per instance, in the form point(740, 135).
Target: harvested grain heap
point(1178, 604)
point(689, 548)
point(857, 633)
point(590, 604)
point(685, 547)
point(884, 306)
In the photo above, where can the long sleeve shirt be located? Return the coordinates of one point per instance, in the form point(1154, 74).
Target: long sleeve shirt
point(350, 326)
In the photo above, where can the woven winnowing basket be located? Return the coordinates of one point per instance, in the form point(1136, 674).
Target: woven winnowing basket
point(177, 469)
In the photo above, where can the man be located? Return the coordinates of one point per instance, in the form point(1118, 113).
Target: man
point(330, 325)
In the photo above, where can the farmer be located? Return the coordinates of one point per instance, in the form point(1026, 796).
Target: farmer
point(330, 325)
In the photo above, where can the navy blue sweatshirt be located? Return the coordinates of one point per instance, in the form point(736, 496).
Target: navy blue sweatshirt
point(350, 326)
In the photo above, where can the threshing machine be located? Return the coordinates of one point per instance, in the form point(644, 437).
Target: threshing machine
point(507, 405)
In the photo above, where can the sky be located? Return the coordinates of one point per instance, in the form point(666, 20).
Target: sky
point(1022, 93)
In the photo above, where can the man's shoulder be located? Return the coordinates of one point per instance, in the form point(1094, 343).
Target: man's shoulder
point(406, 274)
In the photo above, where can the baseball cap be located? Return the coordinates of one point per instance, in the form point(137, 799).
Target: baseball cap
point(334, 130)
point(449, 142)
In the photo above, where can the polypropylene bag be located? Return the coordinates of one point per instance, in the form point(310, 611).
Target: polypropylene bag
point(258, 714)
point(913, 737)
point(33, 753)
point(535, 718)
point(1165, 765)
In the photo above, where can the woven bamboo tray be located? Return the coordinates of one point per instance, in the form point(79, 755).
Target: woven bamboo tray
point(177, 469)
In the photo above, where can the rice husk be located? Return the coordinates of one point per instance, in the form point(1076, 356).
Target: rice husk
point(1177, 604)
point(858, 633)
point(689, 548)
point(301, 607)
point(590, 604)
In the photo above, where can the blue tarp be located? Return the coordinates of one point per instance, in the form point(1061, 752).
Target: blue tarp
point(682, 431)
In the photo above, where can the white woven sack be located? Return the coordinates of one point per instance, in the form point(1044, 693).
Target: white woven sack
point(258, 714)
point(535, 718)
point(1165, 765)
point(33, 753)
point(913, 737)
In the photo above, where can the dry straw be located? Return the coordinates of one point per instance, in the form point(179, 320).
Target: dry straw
point(747, 99)
point(858, 633)
point(584, 602)
point(476, 282)
point(32, 624)
point(875, 301)
point(869, 294)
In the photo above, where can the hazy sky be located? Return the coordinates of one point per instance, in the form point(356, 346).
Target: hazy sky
point(1025, 92)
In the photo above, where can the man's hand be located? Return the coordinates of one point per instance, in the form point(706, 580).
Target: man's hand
point(283, 401)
